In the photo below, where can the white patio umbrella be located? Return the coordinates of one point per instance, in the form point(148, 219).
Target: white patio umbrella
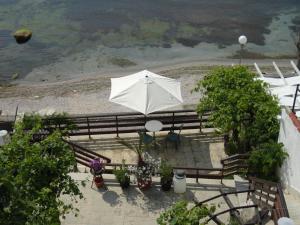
point(145, 92)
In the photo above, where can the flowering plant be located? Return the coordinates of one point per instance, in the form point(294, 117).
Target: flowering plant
point(96, 166)
point(145, 168)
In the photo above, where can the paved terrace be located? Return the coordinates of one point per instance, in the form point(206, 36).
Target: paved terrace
point(196, 149)
point(132, 207)
point(114, 206)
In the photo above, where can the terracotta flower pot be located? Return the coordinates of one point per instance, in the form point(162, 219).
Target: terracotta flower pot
point(99, 182)
point(144, 184)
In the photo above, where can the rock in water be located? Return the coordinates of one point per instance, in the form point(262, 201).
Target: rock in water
point(22, 36)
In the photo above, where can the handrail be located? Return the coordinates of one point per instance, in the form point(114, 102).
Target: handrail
point(233, 209)
point(225, 194)
point(282, 200)
point(195, 168)
point(131, 113)
point(279, 208)
point(236, 156)
point(87, 150)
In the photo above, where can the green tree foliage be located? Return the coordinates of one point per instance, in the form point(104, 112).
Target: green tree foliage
point(34, 177)
point(241, 107)
point(265, 159)
point(51, 122)
point(179, 214)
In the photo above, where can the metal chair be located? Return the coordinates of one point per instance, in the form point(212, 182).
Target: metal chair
point(174, 137)
point(145, 138)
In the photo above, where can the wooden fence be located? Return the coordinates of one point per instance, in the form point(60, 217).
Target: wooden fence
point(117, 123)
point(191, 172)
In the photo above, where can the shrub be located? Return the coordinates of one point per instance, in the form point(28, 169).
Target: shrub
point(266, 159)
point(241, 107)
point(34, 176)
point(179, 214)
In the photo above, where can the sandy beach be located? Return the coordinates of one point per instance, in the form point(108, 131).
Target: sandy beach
point(89, 94)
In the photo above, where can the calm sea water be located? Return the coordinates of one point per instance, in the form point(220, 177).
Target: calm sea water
point(75, 37)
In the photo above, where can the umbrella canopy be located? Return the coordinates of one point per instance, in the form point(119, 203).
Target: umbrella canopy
point(145, 92)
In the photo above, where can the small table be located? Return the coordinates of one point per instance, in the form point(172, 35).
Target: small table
point(153, 126)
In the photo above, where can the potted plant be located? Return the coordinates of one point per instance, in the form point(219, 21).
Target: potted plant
point(166, 176)
point(146, 165)
point(98, 180)
point(97, 168)
point(122, 175)
point(144, 175)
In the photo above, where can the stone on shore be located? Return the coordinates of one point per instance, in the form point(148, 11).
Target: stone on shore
point(22, 36)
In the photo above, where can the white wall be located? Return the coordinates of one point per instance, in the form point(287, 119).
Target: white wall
point(290, 137)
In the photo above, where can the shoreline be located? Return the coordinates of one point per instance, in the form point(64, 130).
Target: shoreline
point(266, 62)
point(89, 94)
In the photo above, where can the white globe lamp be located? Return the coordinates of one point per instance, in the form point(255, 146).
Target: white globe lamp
point(285, 221)
point(243, 42)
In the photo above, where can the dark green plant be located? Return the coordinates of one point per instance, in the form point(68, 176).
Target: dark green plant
point(266, 159)
point(50, 123)
point(166, 170)
point(122, 175)
point(31, 121)
point(59, 120)
point(179, 214)
point(34, 176)
point(241, 107)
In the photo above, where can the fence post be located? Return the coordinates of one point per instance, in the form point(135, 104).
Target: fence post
point(197, 176)
point(117, 126)
point(200, 124)
point(173, 120)
point(88, 124)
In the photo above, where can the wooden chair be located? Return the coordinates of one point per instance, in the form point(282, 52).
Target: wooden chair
point(173, 137)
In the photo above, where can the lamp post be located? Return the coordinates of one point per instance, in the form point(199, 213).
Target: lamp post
point(243, 42)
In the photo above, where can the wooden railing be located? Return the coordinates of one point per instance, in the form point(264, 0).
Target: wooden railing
point(234, 164)
point(269, 195)
point(117, 123)
point(207, 173)
point(191, 172)
point(84, 156)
